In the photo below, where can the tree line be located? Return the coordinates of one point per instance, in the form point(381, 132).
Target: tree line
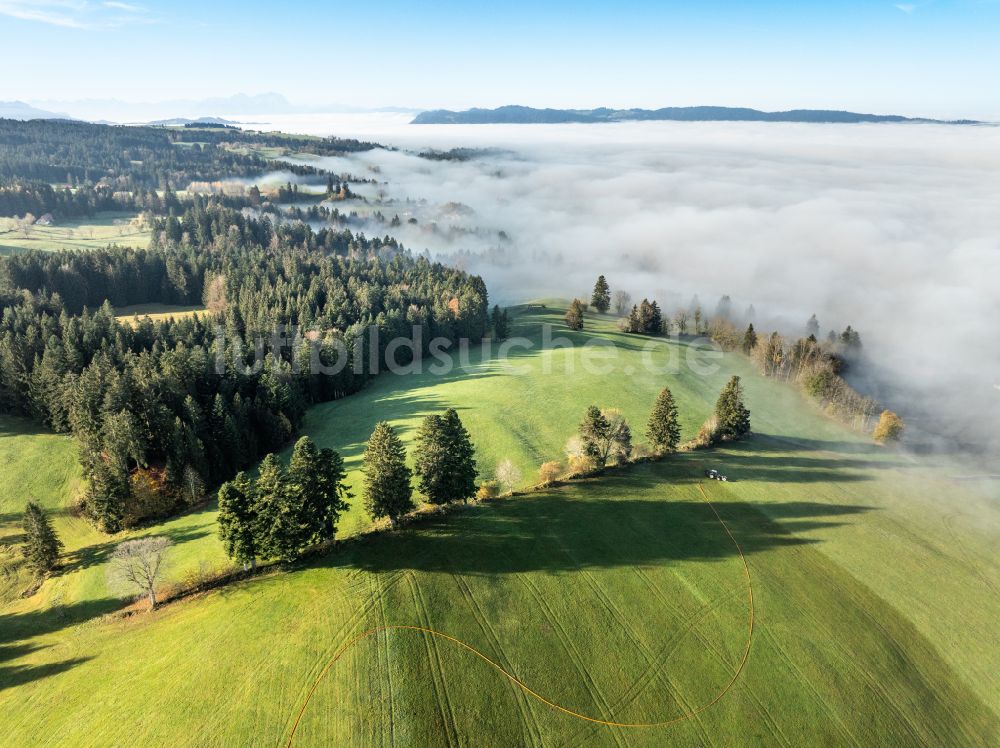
point(816, 365)
point(285, 511)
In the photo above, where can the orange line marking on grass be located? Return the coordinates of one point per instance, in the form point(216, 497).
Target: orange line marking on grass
point(527, 689)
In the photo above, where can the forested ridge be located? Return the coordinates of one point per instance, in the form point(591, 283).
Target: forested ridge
point(101, 167)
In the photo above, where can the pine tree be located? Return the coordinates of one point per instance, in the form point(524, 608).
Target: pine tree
point(462, 458)
point(724, 309)
point(732, 416)
point(634, 324)
point(601, 298)
point(498, 321)
point(749, 339)
point(605, 434)
point(41, 545)
point(664, 431)
point(386, 477)
point(432, 460)
point(593, 433)
point(238, 520)
point(316, 482)
point(655, 323)
point(851, 339)
point(280, 532)
point(445, 459)
point(107, 496)
point(812, 326)
point(574, 316)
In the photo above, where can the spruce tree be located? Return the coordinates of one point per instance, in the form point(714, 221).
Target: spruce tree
point(41, 545)
point(445, 459)
point(238, 521)
point(601, 298)
point(461, 458)
point(812, 326)
point(574, 316)
point(280, 530)
point(432, 460)
point(605, 434)
point(732, 415)
point(594, 433)
point(498, 321)
point(655, 324)
point(664, 431)
point(634, 323)
point(106, 496)
point(749, 339)
point(316, 483)
point(387, 490)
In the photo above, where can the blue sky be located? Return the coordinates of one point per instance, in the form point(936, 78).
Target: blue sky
point(937, 57)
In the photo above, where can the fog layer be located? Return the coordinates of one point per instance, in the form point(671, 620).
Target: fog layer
point(894, 229)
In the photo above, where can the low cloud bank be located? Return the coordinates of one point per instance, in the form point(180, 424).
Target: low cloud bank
point(894, 229)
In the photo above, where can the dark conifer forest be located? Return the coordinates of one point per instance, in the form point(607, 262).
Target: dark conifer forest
point(192, 398)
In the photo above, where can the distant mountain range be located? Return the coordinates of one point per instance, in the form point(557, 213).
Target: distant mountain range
point(184, 121)
point(529, 115)
point(21, 110)
point(237, 106)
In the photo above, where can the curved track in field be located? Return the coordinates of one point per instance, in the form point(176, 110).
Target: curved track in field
point(527, 689)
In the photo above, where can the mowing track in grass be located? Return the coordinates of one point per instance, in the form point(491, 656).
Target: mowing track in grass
point(527, 689)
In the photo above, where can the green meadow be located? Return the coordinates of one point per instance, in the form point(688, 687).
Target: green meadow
point(94, 232)
point(132, 315)
point(874, 577)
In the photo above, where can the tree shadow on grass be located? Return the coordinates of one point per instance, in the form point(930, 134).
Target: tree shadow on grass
point(17, 630)
point(599, 525)
point(17, 675)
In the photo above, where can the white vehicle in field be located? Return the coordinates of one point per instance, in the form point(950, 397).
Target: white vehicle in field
point(715, 475)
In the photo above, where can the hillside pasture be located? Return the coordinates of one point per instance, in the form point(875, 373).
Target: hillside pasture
point(620, 597)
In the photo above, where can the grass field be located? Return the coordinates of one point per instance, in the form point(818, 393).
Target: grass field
point(94, 232)
point(134, 314)
point(875, 584)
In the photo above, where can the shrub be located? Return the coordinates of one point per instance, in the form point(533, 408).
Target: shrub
point(581, 465)
point(708, 434)
point(152, 496)
point(488, 489)
point(550, 471)
point(890, 427)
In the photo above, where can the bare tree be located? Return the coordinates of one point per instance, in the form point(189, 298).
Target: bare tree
point(508, 476)
point(621, 301)
point(681, 321)
point(139, 563)
point(214, 296)
point(194, 486)
point(26, 224)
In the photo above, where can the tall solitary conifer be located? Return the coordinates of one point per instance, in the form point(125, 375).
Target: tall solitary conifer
point(749, 339)
point(732, 415)
point(664, 431)
point(41, 546)
point(601, 298)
